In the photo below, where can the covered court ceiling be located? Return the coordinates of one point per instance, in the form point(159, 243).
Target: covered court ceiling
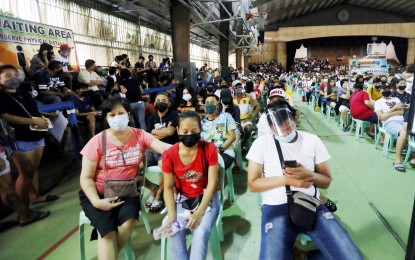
point(156, 13)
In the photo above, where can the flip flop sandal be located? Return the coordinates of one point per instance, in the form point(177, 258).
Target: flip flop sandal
point(331, 206)
point(157, 206)
point(412, 165)
point(150, 201)
point(39, 215)
point(399, 167)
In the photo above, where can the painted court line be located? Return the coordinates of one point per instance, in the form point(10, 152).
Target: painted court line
point(57, 244)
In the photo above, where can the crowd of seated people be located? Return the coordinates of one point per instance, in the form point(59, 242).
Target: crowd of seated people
point(177, 120)
point(380, 100)
point(312, 64)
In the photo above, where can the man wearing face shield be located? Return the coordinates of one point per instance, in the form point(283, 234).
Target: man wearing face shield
point(266, 175)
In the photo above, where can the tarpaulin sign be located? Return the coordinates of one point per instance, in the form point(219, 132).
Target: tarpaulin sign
point(20, 40)
point(374, 66)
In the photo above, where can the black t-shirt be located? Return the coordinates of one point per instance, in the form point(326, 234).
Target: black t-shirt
point(133, 90)
point(44, 81)
point(10, 106)
point(156, 122)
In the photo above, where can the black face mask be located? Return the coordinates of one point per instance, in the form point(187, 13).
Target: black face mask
point(223, 86)
point(161, 107)
point(226, 103)
point(377, 87)
point(189, 140)
point(386, 93)
point(402, 87)
point(209, 89)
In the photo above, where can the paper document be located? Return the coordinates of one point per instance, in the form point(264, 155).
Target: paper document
point(59, 125)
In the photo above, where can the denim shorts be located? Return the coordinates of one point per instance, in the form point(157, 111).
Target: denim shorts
point(24, 146)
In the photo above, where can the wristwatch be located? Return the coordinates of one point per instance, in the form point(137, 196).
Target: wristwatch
point(221, 150)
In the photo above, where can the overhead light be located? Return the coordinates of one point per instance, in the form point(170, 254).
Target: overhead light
point(115, 5)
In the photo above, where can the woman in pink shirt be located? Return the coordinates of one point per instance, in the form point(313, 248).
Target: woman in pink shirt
point(113, 217)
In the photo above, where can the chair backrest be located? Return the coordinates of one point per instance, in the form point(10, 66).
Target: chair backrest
point(221, 176)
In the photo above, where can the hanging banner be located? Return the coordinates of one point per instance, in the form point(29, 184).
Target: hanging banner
point(20, 41)
point(374, 66)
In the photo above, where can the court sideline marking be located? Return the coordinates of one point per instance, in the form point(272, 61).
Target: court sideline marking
point(58, 243)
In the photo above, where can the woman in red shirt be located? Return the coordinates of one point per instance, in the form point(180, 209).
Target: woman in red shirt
point(191, 166)
point(361, 108)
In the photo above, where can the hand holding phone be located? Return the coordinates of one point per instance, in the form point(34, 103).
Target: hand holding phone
point(290, 163)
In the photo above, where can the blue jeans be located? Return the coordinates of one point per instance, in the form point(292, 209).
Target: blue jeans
point(278, 235)
point(138, 110)
point(200, 236)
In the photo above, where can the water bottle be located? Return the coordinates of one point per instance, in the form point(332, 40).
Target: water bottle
point(168, 230)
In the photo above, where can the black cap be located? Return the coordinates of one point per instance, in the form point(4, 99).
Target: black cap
point(385, 85)
point(226, 96)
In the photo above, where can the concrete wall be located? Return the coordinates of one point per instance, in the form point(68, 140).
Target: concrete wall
point(270, 53)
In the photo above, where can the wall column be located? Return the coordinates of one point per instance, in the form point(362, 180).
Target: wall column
point(238, 52)
point(282, 54)
point(246, 63)
point(410, 56)
point(180, 31)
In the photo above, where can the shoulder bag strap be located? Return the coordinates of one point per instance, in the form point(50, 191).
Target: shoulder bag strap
point(27, 112)
point(204, 164)
point(104, 152)
point(277, 144)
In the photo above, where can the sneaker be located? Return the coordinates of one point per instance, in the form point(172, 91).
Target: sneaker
point(344, 129)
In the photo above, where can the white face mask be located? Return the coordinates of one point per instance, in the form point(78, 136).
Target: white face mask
point(187, 97)
point(119, 123)
point(286, 139)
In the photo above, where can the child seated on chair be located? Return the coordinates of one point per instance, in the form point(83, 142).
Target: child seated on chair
point(191, 167)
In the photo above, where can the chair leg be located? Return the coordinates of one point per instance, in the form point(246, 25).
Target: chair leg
point(81, 242)
point(145, 217)
point(357, 133)
point(128, 251)
point(163, 249)
point(230, 185)
point(408, 153)
point(215, 244)
point(386, 145)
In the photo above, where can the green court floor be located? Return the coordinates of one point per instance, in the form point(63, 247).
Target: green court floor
point(374, 205)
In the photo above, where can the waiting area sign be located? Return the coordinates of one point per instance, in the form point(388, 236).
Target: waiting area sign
point(20, 40)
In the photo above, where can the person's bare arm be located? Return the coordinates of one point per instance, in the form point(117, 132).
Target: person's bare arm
point(195, 219)
point(90, 190)
point(257, 183)
point(40, 122)
point(159, 146)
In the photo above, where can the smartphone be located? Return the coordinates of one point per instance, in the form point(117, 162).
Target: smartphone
point(290, 163)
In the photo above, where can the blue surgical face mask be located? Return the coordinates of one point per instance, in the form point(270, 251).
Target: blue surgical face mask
point(119, 123)
point(286, 139)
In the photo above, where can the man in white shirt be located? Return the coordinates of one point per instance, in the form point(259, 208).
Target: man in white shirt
point(89, 76)
point(63, 56)
point(311, 171)
point(389, 111)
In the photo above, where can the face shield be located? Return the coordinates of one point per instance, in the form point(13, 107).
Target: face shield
point(282, 123)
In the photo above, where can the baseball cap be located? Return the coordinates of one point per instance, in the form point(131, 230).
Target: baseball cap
point(65, 47)
point(276, 92)
point(244, 78)
point(236, 82)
